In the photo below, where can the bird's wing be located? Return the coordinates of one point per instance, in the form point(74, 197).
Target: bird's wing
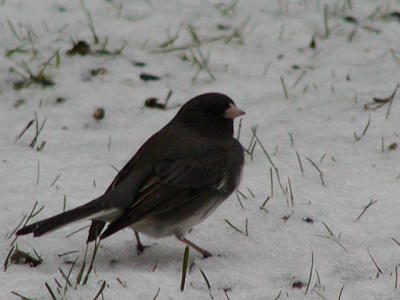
point(122, 174)
point(119, 197)
point(127, 197)
point(141, 161)
point(173, 183)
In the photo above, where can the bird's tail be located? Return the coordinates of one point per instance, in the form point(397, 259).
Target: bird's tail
point(90, 210)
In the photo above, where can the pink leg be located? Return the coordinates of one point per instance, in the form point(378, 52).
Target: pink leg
point(205, 253)
point(140, 247)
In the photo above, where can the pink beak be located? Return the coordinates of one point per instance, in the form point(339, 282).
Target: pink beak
point(233, 112)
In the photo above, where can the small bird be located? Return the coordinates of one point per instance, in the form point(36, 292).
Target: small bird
point(175, 180)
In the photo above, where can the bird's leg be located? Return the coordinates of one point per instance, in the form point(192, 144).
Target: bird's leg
point(204, 252)
point(139, 246)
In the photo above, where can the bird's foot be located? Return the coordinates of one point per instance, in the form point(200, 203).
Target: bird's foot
point(206, 254)
point(140, 248)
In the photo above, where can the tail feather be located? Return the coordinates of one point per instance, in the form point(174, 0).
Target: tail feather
point(95, 229)
point(60, 220)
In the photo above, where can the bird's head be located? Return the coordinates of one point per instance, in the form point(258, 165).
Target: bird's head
point(211, 114)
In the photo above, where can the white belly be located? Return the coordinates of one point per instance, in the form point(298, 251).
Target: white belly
point(159, 229)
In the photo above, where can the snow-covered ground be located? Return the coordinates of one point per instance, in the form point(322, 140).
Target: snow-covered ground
point(328, 235)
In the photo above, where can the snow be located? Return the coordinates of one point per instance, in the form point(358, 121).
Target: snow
point(324, 113)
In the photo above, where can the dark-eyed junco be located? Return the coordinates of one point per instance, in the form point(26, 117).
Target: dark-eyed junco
point(176, 179)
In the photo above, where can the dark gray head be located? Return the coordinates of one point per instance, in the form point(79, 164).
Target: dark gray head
point(212, 114)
